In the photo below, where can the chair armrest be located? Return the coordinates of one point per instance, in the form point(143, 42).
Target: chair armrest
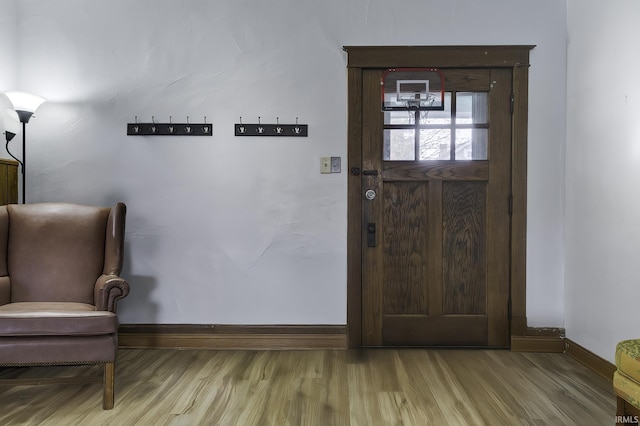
point(108, 290)
point(5, 290)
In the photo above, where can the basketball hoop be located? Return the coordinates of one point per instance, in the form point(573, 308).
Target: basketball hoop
point(413, 89)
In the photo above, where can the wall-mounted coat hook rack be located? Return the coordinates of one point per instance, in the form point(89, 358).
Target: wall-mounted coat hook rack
point(277, 129)
point(170, 128)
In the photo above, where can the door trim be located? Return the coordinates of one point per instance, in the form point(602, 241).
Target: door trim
point(514, 57)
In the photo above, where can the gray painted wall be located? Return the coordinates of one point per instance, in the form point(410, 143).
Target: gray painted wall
point(247, 231)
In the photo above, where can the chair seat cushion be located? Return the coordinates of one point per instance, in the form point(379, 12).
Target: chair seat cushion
point(628, 358)
point(55, 319)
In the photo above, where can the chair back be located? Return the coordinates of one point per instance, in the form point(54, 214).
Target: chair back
point(55, 251)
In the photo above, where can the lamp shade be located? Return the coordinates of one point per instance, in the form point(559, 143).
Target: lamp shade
point(9, 121)
point(25, 103)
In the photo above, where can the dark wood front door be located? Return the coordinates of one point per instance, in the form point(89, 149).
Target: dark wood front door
point(436, 221)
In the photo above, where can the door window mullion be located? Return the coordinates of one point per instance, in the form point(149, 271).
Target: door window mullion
point(416, 136)
point(452, 141)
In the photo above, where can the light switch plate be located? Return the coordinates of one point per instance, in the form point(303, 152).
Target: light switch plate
point(325, 165)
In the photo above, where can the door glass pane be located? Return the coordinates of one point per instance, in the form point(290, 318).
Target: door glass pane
point(399, 144)
point(471, 144)
point(471, 107)
point(399, 117)
point(435, 144)
point(438, 117)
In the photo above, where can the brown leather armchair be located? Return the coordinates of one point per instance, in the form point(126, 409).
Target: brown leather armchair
point(59, 284)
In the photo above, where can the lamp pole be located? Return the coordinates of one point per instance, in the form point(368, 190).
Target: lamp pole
point(24, 117)
point(24, 162)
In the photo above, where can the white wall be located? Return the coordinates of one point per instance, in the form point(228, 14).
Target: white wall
point(603, 173)
point(8, 53)
point(233, 230)
point(8, 56)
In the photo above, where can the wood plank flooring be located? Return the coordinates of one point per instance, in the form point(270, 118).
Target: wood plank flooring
point(364, 387)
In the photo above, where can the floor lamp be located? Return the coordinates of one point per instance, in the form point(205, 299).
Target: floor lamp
point(25, 104)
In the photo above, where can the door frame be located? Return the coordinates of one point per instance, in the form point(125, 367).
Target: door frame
point(514, 57)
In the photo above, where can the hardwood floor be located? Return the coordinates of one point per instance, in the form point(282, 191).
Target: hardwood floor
point(365, 387)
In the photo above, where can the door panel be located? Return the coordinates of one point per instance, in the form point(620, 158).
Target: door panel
point(436, 272)
point(406, 213)
point(464, 240)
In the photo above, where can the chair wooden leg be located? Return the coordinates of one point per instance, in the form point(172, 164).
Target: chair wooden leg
point(108, 385)
point(626, 413)
point(619, 406)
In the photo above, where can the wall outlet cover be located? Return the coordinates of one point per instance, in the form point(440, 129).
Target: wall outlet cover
point(335, 164)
